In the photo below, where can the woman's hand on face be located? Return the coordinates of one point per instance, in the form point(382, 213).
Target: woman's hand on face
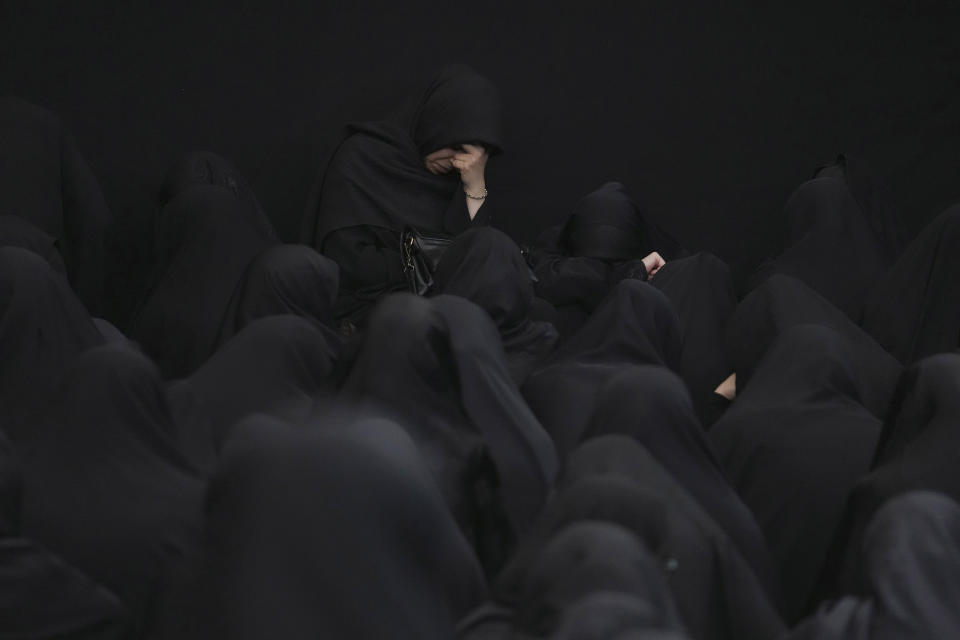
point(471, 162)
point(653, 263)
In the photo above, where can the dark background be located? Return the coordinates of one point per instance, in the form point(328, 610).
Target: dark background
point(710, 112)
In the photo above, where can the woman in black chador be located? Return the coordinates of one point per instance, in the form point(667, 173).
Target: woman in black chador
point(423, 167)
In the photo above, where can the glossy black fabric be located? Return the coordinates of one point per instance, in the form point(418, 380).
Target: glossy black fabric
point(910, 561)
point(782, 302)
point(105, 486)
point(485, 266)
point(918, 451)
point(45, 180)
point(43, 327)
point(828, 244)
point(206, 239)
point(437, 366)
point(615, 479)
point(375, 184)
point(652, 405)
point(914, 310)
point(635, 325)
point(794, 442)
point(278, 365)
point(334, 531)
point(285, 280)
point(17, 232)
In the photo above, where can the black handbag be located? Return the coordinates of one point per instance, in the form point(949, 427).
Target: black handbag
point(421, 253)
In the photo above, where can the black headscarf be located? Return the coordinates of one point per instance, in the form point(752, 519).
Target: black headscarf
point(617, 616)
point(43, 327)
point(45, 180)
point(634, 325)
point(206, 239)
point(17, 232)
point(910, 561)
point(278, 365)
point(286, 279)
point(334, 531)
point(794, 442)
point(105, 486)
point(653, 406)
point(486, 267)
point(376, 175)
point(782, 302)
point(438, 366)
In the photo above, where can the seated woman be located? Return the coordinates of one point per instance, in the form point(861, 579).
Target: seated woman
point(421, 167)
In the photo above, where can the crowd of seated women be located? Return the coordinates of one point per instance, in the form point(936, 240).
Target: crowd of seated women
point(595, 437)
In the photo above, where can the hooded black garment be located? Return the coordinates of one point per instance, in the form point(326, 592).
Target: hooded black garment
point(914, 310)
point(43, 327)
point(651, 405)
point(609, 615)
point(828, 243)
point(634, 325)
point(782, 302)
point(614, 479)
point(17, 232)
point(794, 442)
point(45, 181)
point(206, 239)
point(437, 367)
point(603, 241)
point(278, 365)
point(375, 185)
point(486, 267)
point(105, 486)
point(331, 530)
point(42, 597)
point(919, 450)
point(285, 280)
point(910, 566)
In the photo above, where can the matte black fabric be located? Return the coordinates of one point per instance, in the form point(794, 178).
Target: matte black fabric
point(828, 244)
point(105, 486)
point(794, 442)
point(285, 280)
point(635, 325)
point(278, 365)
point(651, 405)
point(17, 232)
point(43, 327)
point(334, 531)
point(782, 302)
point(206, 238)
point(614, 479)
point(918, 451)
point(910, 561)
point(614, 616)
point(375, 184)
point(45, 180)
point(593, 558)
point(914, 310)
point(485, 266)
point(438, 367)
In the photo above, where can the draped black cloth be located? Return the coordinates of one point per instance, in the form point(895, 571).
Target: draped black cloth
point(914, 310)
point(635, 325)
point(794, 442)
point(782, 302)
point(45, 180)
point(614, 479)
point(651, 405)
point(285, 280)
point(206, 238)
point(43, 327)
point(105, 486)
point(910, 563)
point(375, 184)
point(334, 531)
point(437, 366)
point(278, 365)
point(486, 267)
point(607, 615)
point(17, 232)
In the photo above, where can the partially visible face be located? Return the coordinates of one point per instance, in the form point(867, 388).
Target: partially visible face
point(440, 161)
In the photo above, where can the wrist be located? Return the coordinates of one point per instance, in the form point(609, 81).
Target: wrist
point(473, 184)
